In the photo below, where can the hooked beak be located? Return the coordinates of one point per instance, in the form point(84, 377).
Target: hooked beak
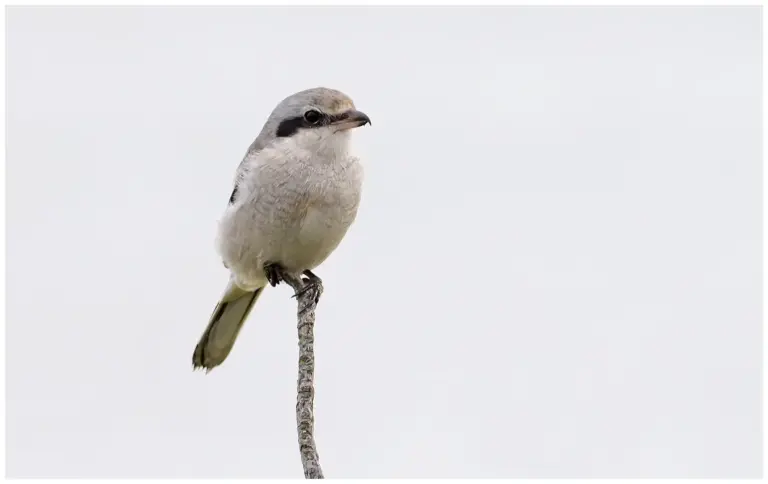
point(352, 119)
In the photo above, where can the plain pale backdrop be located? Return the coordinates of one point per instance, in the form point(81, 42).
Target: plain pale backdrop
point(555, 270)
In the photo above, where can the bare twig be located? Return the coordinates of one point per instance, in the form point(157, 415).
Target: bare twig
point(307, 295)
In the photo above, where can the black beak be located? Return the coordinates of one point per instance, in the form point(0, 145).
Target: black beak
point(358, 117)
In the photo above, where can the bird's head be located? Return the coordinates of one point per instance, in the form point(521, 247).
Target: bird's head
point(315, 117)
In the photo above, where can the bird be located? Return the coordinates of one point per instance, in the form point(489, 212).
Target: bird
point(296, 193)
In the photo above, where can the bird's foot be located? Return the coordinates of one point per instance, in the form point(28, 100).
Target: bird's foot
point(311, 283)
point(312, 277)
point(274, 273)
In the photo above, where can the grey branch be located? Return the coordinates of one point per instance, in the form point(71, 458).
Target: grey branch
point(307, 296)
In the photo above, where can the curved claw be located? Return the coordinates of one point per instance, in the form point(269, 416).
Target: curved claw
point(274, 274)
point(312, 277)
point(312, 283)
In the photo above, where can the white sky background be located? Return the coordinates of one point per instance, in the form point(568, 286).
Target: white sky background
point(555, 270)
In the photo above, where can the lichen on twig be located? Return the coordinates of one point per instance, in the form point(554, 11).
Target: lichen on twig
point(307, 293)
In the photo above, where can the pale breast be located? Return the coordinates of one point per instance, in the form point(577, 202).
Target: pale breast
point(332, 208)
point(291, 212)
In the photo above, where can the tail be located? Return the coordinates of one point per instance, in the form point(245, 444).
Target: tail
point(225, 323)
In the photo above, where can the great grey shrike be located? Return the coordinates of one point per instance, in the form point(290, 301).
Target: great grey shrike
point(296, 193)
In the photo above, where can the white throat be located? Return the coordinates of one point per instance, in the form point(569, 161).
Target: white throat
point(324, 143)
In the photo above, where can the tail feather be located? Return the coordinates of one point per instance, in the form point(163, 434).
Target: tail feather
point(223, 327)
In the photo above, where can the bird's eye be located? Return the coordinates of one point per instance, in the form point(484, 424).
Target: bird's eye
point(312, 116)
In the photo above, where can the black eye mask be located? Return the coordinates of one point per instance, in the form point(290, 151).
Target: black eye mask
point(310, 119)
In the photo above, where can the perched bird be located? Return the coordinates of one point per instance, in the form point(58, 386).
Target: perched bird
point(296, 193)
